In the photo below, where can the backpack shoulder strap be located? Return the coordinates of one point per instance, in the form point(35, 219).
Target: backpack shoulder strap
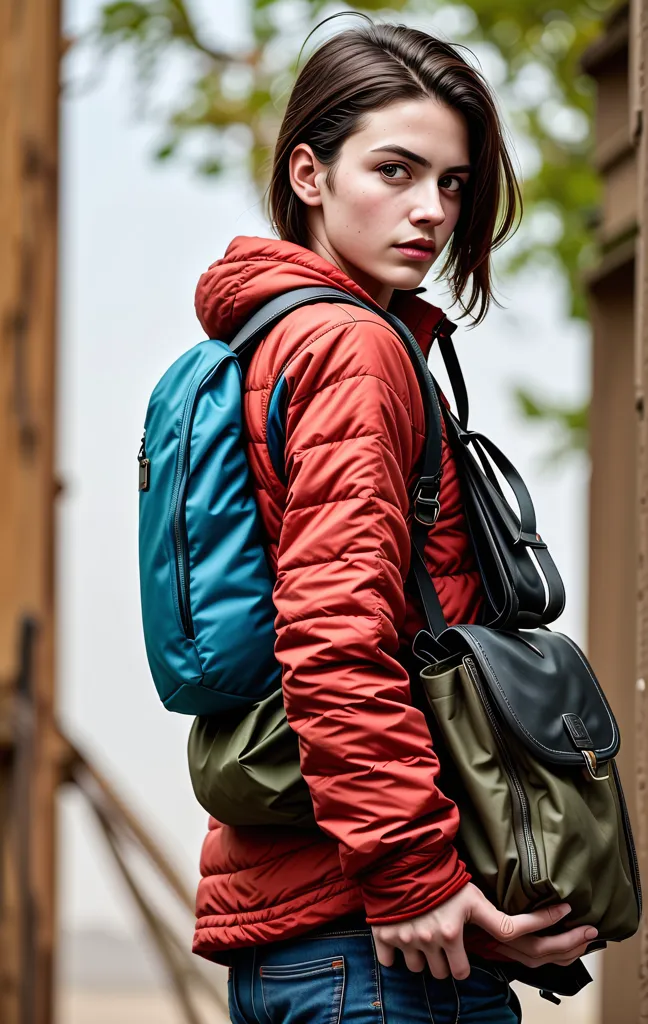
point(426, 496)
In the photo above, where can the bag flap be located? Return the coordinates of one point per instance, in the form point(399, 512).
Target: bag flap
point(544, 689)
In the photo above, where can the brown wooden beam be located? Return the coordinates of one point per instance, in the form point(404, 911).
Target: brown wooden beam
point(29, 87)
point(640, 96)
point(619, 491)
point(613, 41)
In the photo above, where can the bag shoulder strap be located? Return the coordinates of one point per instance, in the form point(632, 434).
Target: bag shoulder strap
point(520, 524)
point(426, 494)
point(455, 376)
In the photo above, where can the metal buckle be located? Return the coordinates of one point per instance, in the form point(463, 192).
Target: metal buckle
point(592, 766)
point(430, 513)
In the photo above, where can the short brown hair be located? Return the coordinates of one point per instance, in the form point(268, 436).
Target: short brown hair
point(363, 69)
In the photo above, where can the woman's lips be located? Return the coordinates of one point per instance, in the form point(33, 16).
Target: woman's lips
point(415, 254)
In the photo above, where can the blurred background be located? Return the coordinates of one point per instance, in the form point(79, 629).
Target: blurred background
point(116, 193)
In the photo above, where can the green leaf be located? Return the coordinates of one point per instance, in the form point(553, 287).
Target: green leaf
point(166, 150)
point(210, 166)
point(570, 424)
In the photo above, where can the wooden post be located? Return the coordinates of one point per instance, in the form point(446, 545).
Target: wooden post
point(619, 447)
point(29, 72)
point(639, 113)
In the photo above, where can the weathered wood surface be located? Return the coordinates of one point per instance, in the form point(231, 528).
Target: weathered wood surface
point(639, 103)
point(615, 630)
point(29, 58)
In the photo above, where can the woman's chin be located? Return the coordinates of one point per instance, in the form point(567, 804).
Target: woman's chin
point(406, 277)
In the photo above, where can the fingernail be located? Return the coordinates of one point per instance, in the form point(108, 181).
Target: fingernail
point(559, 911)
point(591, 933)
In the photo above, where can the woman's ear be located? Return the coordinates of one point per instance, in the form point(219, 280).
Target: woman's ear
point(306, 173)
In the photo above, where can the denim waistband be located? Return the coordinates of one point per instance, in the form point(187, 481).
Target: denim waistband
point(354, 922)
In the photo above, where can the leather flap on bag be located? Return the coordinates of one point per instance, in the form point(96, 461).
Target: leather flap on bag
point(543, 687)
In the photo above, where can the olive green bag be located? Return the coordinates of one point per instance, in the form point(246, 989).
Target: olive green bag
point(543, 816)
point(245, 770)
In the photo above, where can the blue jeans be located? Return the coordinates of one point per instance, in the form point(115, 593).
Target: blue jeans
point(335, 978)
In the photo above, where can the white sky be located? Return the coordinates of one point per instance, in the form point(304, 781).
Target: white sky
point(135, 236)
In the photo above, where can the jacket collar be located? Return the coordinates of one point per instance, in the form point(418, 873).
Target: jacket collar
point(254, 269)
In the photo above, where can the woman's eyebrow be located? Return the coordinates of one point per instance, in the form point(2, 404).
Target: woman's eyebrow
point(393, 148)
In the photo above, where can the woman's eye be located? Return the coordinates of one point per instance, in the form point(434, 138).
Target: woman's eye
point(396, 166)
point(457, 183)
point(450, 182)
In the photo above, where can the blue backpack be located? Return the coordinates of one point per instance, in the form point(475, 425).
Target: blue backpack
point(205, 583)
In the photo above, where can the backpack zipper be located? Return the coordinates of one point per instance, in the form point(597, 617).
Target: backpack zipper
point(144, 465)
point(529, 865)
point(181, 544)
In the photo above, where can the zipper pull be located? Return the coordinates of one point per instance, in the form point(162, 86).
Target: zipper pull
point(144, 465)
point(438, 327)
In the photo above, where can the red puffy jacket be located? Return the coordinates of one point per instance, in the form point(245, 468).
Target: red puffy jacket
point(339, 542)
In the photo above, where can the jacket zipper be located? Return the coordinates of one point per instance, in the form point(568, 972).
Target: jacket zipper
point(181, 544)
point(634, 862)
point(525, 830)
point(436, 330)
point(274, 384)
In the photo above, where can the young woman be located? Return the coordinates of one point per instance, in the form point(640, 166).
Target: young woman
point(390, 153)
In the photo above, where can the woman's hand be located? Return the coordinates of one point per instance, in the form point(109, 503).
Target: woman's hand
point(436, 938)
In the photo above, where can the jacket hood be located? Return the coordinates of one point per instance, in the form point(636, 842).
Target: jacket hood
point(254, 270)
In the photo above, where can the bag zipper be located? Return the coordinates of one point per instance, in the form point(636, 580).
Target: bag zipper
point(144, 465)
point(525, 831)
point(178, 501)
point(634, 861)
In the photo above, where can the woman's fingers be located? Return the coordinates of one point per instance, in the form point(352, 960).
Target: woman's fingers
point(537, 946)
point(566, 963)
point(508, 928)
point(457, 960)
point(518, 941)
point(437, 962)
point(384, 952)
point(436, 938)
point(420, 947)
point(414, 959)
point(529, 962)
point(564, 958)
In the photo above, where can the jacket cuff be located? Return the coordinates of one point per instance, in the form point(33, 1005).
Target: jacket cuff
point(411, 886)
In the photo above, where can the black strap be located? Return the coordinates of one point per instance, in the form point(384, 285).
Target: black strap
point(429, 598)
point(455, 376)
point(555, 586)
point(426, 495)
point(526, 533)
point(481, 443)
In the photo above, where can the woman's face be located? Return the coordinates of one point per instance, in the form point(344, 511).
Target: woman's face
point(383, 198)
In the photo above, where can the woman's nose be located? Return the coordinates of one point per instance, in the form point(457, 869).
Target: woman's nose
point(431, 211)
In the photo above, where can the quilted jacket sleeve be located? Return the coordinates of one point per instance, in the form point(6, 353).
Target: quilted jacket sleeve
point(343, 556)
